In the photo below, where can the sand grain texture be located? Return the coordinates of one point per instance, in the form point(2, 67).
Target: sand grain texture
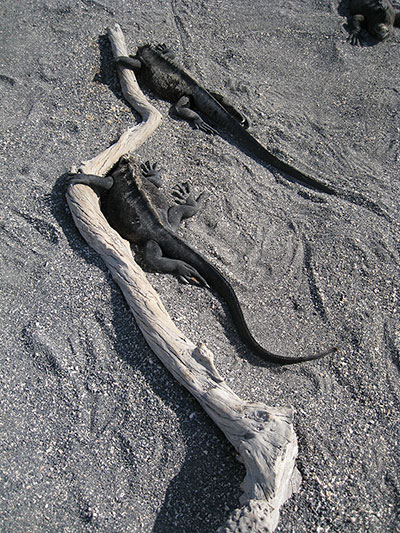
point(97, 435)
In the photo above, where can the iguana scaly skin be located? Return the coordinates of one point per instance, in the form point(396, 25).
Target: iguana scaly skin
point(136, 209)
point(162, 74)
point(378, 16)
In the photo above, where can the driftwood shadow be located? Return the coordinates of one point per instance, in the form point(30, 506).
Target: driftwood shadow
point(207, 486)
point(108, 73)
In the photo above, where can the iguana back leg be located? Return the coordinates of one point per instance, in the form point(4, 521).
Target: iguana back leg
point(230, 109)
point(182, 107)
point(92, 180)
point(156, 260)
point(128, 62)
point(187, 205)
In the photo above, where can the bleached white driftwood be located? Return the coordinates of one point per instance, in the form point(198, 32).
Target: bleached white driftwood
point(263, 436)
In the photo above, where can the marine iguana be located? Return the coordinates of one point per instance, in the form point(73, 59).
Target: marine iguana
point(378, 16)
point(170, 81)
point(135, 208)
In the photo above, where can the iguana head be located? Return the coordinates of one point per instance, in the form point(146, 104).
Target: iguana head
point(382, 31)
point(146, 53)
point(380, 23)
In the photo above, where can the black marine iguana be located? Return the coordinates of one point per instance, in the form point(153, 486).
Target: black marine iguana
point(377, 16)
point(135, 208)
point(170, 81)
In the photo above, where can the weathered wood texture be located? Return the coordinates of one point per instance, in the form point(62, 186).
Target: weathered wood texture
point(263, 436)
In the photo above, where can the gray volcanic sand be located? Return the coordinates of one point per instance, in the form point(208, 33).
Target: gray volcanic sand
point(96, 434)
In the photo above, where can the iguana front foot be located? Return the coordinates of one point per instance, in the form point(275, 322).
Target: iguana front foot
point(150, 172)
point(187, 205)
point(183, 195)
point(355, 25)
point(354, 39)
point(163, 48)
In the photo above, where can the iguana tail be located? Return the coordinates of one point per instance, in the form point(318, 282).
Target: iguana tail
point(254, 147)
point(206, 103)
point(174, 247)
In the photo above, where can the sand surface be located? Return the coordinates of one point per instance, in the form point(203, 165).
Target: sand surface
point(96, 435)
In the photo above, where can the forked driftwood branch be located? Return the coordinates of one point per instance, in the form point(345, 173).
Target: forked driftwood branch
point(263, 436)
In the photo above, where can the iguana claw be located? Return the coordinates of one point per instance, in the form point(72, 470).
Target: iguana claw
point(199, 124)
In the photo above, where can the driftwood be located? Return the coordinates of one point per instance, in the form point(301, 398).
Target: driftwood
point(263, 436)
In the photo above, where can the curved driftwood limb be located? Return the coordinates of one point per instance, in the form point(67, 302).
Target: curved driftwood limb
point(263, 436)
